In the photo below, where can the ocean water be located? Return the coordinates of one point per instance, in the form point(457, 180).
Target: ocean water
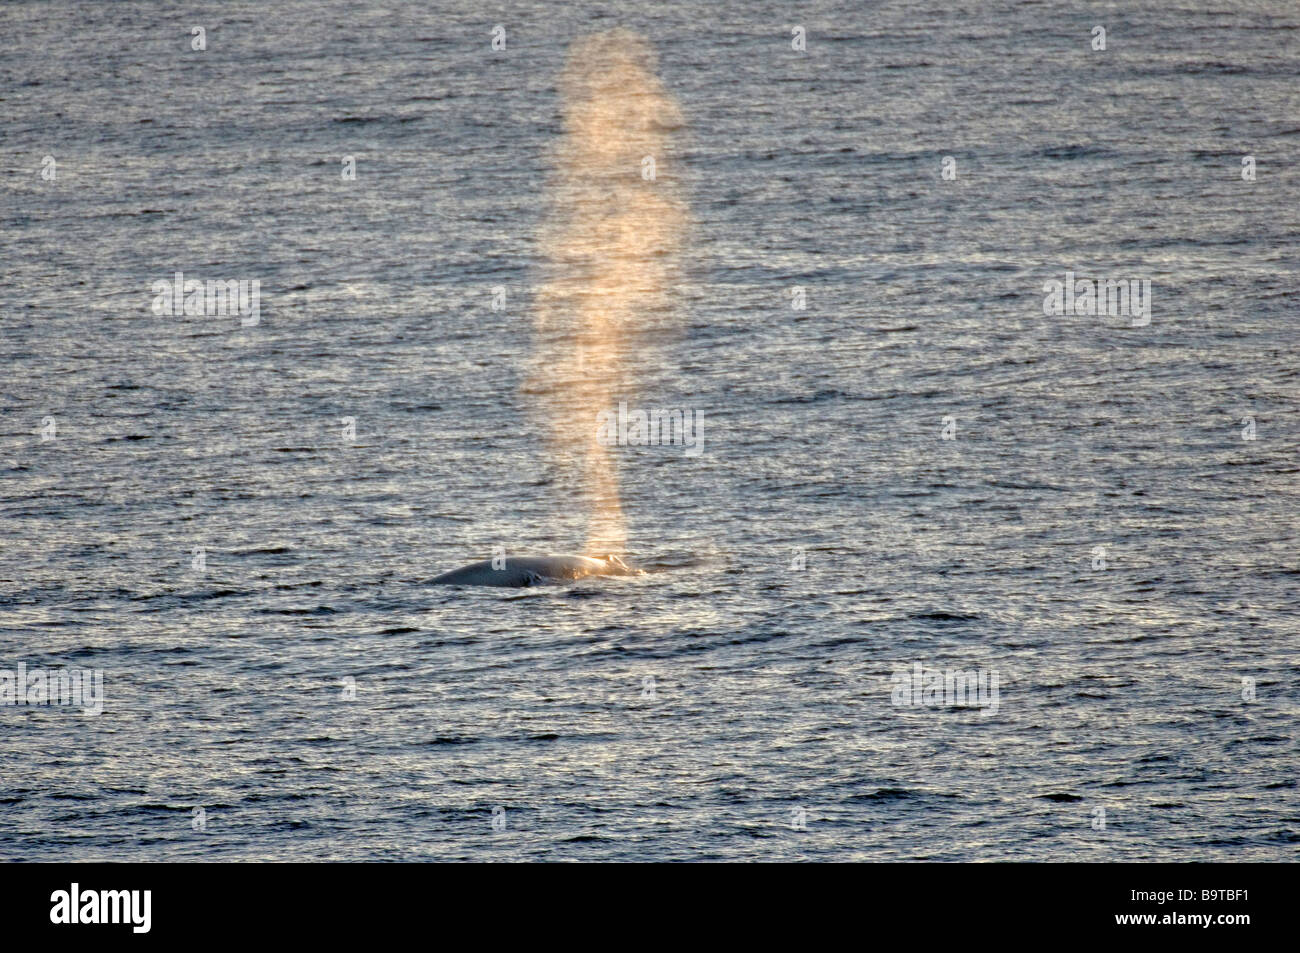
point(1111, 530)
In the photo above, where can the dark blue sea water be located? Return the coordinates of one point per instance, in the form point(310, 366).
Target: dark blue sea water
point(1112, 531)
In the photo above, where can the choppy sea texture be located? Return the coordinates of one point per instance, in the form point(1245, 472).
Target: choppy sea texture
point(318, 700)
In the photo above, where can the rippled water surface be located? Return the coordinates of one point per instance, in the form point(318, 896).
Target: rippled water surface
point(1100, 533)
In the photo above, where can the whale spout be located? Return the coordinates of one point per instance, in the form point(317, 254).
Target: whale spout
point(519, 571)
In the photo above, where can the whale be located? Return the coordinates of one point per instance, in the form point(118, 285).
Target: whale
point(520, 571)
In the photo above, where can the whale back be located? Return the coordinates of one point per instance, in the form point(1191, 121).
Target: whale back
point(519, 571)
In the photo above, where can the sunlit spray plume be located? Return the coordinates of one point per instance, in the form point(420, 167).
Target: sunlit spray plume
point(610, 242)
